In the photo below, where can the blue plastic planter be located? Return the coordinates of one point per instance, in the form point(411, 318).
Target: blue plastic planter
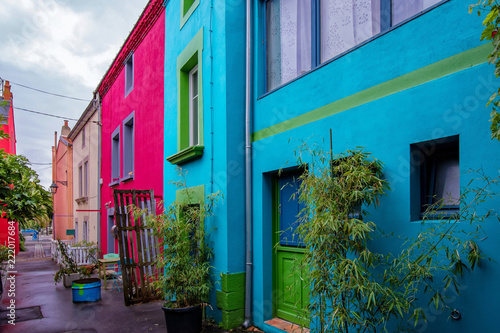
point(86, 290)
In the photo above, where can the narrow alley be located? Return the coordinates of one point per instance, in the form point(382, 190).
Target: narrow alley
point(41, 306)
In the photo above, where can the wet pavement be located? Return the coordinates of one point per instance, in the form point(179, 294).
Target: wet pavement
point(41, 306)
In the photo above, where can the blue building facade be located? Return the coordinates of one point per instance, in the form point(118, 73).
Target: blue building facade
point(394, 77)
point(391, 78)
point(204, 103)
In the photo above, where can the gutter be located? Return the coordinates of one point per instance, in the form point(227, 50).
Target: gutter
point(248, 172)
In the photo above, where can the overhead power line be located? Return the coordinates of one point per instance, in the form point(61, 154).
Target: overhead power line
point(49, 93)
point(51, 115)
point(45, 114)
point(40, 163)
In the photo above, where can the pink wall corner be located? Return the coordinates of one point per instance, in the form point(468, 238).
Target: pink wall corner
point(147, 102)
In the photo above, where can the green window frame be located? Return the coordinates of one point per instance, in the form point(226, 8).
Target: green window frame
point(191, 195)
point(189, 59)
point(187, 8)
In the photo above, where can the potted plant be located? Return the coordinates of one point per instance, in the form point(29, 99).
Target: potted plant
point(184, 270)
point(69, 270)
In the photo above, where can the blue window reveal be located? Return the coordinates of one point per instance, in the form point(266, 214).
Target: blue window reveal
point(289, 210)
point(302, 34)
point(436, 178)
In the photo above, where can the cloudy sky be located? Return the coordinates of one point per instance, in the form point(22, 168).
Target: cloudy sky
point(62, 47)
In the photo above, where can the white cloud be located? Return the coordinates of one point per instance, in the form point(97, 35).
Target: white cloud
point(53, 36)
point(61, 46)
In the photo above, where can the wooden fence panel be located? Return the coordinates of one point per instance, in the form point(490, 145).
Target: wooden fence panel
point(137, 245)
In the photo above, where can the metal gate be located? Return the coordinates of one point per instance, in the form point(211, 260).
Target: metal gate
point(138, 247)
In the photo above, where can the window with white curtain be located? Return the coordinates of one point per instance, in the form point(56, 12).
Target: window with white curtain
point(289, 40)
point(345, 24)
point(301, 34)
point(403, 9)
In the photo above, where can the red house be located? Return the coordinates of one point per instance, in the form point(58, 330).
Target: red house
point(9, 147)
point(131, 101)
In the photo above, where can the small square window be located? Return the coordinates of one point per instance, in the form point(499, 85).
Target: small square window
point(435, 180)
point(129, 74)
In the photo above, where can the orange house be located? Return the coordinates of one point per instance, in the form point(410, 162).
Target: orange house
point(62, 176)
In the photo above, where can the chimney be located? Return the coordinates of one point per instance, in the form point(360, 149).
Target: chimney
point(65, 129)
point(7, 95)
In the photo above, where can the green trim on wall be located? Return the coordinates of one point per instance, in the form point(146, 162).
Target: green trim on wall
point(439, 69)
point(191, 195)
point(187, 60)
point(187, 8)
point(186, 155)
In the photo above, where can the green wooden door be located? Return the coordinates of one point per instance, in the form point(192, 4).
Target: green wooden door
point(291, 283)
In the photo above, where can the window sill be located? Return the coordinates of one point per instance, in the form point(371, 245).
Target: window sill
point(127, 178)
point(437, 219)
point(82, 200)
point(114, 183)
point(128, 91)
point(186, 155)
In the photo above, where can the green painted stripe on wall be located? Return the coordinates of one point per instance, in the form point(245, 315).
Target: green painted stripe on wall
point(453, 64)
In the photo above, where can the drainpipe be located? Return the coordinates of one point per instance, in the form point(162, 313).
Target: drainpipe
point(248, 172)
point(97, 104)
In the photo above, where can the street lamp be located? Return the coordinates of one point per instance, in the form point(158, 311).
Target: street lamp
point(53, 186)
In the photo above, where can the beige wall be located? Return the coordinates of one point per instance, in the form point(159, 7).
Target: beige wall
point(85, 206)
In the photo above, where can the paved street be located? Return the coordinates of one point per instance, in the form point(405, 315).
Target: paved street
point(41, 306)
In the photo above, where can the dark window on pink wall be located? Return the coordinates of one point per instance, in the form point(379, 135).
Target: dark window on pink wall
point(129, 74)
point(128, 147)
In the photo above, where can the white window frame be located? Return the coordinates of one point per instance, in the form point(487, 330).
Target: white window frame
point(85, 178)
point(80, 181)
point(194, 126)
point(85, 230)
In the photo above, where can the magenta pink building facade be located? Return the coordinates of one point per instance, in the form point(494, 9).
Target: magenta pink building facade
point(132, 106)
